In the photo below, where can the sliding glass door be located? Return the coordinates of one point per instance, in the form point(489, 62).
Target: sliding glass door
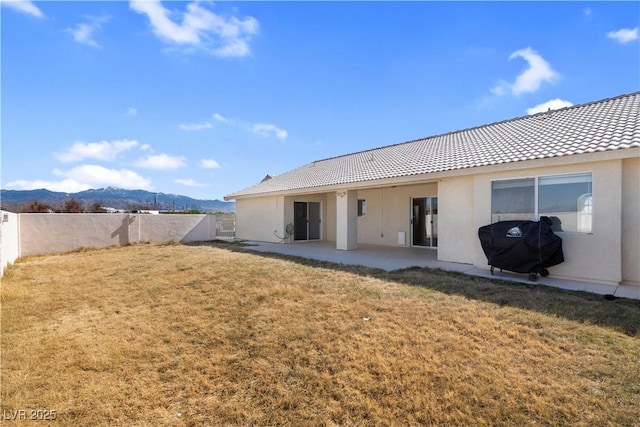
point(306, 221)
point(424, 222)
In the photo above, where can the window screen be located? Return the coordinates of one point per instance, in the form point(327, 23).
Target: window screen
point(513, 199)
point(567, 200)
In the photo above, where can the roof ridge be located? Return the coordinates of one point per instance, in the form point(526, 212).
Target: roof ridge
point(513, 119)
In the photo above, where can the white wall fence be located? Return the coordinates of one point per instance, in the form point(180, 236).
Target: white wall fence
point(9, 247)
point(40, 234)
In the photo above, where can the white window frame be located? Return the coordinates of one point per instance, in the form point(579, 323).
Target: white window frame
point(536, 213)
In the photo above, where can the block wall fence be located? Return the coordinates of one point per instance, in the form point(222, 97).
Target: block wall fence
point(40, 234)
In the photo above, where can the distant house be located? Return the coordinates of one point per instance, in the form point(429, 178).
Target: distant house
point(579, 165)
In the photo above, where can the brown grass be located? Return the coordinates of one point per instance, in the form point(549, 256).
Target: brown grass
point(179, 335)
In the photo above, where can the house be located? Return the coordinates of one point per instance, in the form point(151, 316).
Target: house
point(578, 165)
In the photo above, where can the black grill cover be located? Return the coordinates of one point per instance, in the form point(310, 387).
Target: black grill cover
point(521, 246)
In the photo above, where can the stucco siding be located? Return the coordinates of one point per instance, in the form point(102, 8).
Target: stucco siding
point(595, 256)
point(456, 225)
point(389, 212)
point(631, 221)
point(318, 198)
point(258, 218)
point(330, 219)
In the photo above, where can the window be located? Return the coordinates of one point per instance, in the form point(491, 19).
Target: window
point(513, 199)
point(566, 199)
point(362, 207)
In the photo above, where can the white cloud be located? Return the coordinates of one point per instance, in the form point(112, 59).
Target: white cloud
point(624, 35)
point(24, 6)
point(161, 162)
point(199, 28)
point(260, 129)
point(83, 32)
point(538, 72)
point(501, 88)
point(209, 164)
point(219, 118)
point(196, 126)
point(145, 147)
point(85, 177)
point(99, 176)
point(132, 112)
point(162, 24)
point(64, 186)
point(189, 182)
point(236, 47)
point(103, 150)
point(265, 129)
point(554, 104)
point(587, 12)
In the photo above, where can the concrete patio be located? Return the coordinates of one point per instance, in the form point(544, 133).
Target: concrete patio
point(395, 258)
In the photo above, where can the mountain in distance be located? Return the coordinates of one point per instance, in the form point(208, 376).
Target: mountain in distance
point(117, 198)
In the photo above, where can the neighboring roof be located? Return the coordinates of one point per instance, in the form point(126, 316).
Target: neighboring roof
point(609, 124)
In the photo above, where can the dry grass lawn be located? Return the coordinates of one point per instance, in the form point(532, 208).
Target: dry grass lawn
point(179, 335)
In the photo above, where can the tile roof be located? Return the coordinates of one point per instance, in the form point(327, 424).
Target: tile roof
point(609, 124)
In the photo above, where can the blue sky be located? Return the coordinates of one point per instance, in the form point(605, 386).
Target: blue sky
point(204, 99)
